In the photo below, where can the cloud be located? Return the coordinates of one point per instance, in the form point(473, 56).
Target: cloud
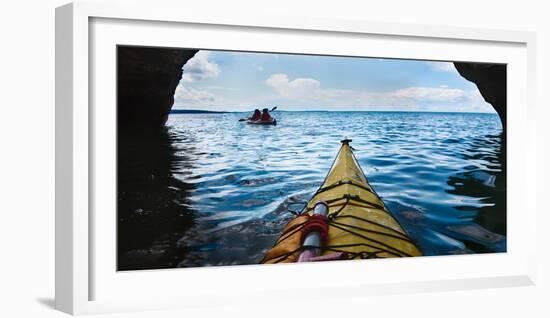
point(188, 96)
point(297, 88)
point(200, 68)
point(208, 98)
point(259, 68)
point(220, 88)
point(308, 92)
point(438, 94)
point(309, 88)
point(442, 66)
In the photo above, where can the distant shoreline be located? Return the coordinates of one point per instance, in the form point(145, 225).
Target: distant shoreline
point(197, 111)
point(200, 111)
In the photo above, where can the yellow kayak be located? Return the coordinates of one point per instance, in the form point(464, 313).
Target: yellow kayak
point(355, 225)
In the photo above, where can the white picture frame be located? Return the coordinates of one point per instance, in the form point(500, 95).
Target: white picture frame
point(78, 35)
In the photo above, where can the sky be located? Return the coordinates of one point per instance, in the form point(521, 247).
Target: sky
point(242, 81)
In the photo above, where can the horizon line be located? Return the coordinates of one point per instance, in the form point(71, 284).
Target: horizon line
point(329, 110)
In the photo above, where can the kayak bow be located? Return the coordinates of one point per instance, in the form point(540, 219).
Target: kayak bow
point(357, 225)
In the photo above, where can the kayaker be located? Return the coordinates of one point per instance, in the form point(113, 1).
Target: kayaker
point(265, 115)
point(257, 115)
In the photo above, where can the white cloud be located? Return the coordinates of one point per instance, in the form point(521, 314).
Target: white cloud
point(220, 88)
point(190, 96)
point(309, 88)
point(200, 68)
point(438, 94)
point(297, 88)
point(476, 103)
point(442, 66)
point(208, 98)
point(308, 91)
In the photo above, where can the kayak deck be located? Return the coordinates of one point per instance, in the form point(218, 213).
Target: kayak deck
point(358, 222)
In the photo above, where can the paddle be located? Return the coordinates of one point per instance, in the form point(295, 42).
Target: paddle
point(245, 119)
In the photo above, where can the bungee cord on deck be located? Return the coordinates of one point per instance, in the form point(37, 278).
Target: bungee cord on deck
point(332, 222)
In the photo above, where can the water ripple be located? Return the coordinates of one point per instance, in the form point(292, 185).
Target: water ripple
point(440, 174)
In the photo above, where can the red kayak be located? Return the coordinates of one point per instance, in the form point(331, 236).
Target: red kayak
point(262, 122)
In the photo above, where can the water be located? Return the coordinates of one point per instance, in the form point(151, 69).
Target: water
point(230, 184)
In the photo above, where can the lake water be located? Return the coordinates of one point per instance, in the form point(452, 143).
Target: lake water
point(227, 186)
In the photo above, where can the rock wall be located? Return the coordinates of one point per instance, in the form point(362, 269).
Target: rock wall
point(147, 79)
point(491, 82)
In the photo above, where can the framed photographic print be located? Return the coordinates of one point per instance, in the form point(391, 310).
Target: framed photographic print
point(241, 155)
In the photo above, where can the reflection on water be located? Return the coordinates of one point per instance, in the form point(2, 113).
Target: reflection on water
point(489, 186)
point(480, 202)
point(215, 191)
point(153, 206)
